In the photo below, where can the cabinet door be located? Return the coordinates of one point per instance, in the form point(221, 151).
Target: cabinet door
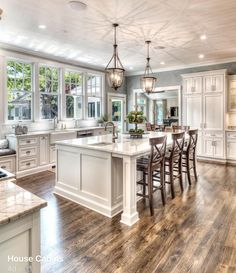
point(52, 154)
point(213, 83)
point(43, 150)
point(192, 85)
point(232, 96)
point(218, 148)
point(231, 149)
point(208, 148)
point(192, 112)
point(213, 112)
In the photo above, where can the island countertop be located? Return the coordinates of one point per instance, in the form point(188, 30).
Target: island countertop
point(16, 202)
point(124, 144)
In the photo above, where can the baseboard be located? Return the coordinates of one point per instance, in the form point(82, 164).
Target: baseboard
point(20, 174)
point(211, 160)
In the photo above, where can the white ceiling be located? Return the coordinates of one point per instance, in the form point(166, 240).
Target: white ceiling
point(87, 36)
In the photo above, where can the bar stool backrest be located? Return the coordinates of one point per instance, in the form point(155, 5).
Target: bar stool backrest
point(177, 145)
point(180, 127)
point(148, 126)
point(192, 143)
point(158, 150)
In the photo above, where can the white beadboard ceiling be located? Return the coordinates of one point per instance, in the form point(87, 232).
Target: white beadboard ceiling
point(87, 36)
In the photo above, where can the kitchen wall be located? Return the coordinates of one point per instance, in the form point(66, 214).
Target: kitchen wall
point(173, 78)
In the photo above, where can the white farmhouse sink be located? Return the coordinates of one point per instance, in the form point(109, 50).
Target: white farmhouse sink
point(101, 144)
point(62, 135)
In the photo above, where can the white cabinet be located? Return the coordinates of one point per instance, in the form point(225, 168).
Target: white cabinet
point(52, 154)
point(43, 150)
point(192, 85)
point(232, 94)
point(213, 83)
point(231, 145)
point(8, 163)
point(193, 111)
point(204, 108)
point(213, 111)
point(213, 147)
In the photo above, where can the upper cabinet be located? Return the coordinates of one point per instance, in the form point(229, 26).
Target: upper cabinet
point(192, 85)
point(213, 83)
point(232, 94)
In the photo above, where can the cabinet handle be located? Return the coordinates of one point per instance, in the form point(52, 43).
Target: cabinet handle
point(28, 152)
point(28, 164)
point(28, 141)
point(3, 167)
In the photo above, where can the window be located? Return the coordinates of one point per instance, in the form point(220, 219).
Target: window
point(142, 103)
point(73, 90)
point(49, 91)
point(19, 88)
point(94, 93)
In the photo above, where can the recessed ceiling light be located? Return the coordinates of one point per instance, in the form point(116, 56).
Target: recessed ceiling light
point(203, 37)
point(42, 26)
point(77, 5)
point(162, 63)
point(201, 56)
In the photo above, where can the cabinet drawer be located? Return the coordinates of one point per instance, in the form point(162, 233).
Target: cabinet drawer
point(27, 152)
point(28, 141)
point(8, 164)
point(27, 164)
point(231, 135)
point(214, 134)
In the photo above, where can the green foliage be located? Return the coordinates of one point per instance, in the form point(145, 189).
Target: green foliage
point(136, 117)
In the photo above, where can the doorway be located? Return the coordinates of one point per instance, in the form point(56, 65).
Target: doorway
point(117, 110)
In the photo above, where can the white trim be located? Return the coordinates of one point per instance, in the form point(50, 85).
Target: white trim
point(182, 67)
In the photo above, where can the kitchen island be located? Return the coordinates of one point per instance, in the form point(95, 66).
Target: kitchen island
point(101, 175)
point(19, 229)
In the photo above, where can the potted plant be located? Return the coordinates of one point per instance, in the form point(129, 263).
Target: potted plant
point(103, 119)
point(136, 117)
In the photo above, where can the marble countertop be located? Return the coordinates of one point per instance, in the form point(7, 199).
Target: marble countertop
point(33, 133)
point(16, 202)
point(124, 144)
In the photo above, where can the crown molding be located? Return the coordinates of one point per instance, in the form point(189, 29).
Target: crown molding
point(181, 67)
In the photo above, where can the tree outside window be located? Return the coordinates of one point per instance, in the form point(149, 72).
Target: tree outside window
point(73, 90)
point(19, 88)
point(49, 90)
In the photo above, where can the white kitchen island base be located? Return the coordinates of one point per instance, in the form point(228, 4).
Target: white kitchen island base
point(90, 178)
point(101, 175)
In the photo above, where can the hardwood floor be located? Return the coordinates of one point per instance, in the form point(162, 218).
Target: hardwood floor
point(195, 232)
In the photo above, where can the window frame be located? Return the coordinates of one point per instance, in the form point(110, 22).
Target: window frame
point(5, 74)
point(82, 95)
point(58, 94)
point(100, 96)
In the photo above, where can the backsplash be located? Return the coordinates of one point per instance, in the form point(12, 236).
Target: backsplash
point(41, 126)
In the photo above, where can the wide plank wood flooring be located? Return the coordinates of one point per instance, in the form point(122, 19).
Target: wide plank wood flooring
point(195, 232)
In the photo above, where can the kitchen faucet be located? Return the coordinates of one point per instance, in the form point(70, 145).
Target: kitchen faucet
point(55, 120)
point(114, 133)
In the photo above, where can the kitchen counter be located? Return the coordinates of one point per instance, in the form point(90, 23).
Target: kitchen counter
point(16, 202)
point(123, 146)
point(19, 228)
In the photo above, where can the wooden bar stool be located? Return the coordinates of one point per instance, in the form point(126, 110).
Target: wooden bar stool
point(152, 167)
point(173, 162)
point(189, 155)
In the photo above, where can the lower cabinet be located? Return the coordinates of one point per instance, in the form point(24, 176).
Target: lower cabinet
point(213, 147)
point(52, 154)
point(43, 150)
point(231, 145)
point(8, 163)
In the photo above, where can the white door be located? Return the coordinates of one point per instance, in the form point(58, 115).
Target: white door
point(44, 150)
point(213, 112)
point(117, 111)
point(192, 112)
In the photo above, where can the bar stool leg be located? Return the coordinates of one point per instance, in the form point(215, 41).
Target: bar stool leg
point(188, 169)
point(194, 166)
point(171, 180)
point(144, 181)
point(180, 175)
point(162, 181)
point(150, 193)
